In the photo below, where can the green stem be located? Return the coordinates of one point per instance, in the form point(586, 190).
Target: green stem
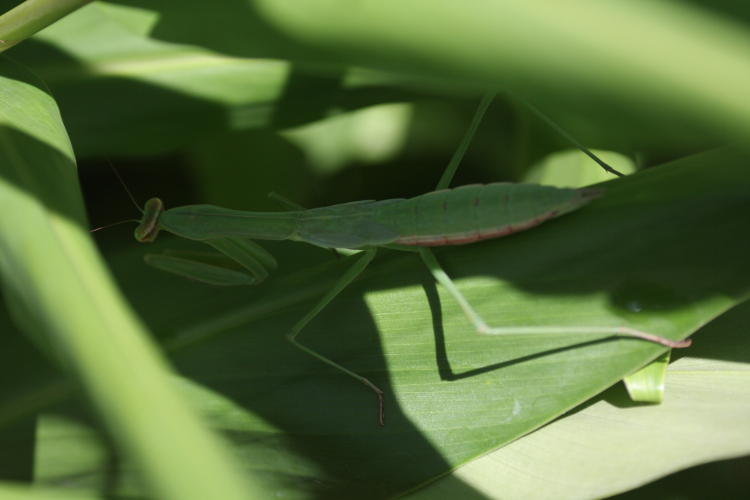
point(22, 21)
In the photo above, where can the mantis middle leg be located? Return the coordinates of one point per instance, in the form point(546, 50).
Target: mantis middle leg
point(355, 270)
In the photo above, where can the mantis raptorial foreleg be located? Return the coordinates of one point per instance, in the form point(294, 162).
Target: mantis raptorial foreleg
point(350, 275)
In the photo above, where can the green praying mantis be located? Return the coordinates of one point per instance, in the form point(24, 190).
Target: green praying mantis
point(442, 217)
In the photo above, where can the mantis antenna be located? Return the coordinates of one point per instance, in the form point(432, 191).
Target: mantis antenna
point(125, 186)
point(132, 199)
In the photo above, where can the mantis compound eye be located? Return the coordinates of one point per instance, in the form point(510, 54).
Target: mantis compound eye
point(148, 229)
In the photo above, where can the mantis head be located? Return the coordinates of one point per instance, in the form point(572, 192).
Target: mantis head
point(148, 228)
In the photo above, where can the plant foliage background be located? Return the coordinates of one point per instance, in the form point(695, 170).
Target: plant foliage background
point(122, 382)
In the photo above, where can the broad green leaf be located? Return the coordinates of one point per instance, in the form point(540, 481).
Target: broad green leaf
point(451, 395)
point(30, 16)
point(561, 49)
point(122, 71)
point(10, 491)
point(60, 294)
point(120, 91)
point(612, 446)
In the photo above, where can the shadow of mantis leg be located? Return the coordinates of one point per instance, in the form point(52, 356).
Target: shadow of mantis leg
point(355, 270)
point(479, 324)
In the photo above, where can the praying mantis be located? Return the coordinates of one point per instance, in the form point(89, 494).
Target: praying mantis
point(442, 217)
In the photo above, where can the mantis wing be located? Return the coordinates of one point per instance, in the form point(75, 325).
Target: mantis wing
point(350, 225)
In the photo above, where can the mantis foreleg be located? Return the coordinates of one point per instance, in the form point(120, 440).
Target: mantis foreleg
point(355, 270)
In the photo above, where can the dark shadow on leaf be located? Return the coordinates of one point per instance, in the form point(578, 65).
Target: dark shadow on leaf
point(110, 114)
point(442, 356)
point(320, 414)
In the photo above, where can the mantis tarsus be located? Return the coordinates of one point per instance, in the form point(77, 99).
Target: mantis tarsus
point(443, 217)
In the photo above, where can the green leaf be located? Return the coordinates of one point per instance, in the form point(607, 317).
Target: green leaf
point(156, 81)
point(30, 16)
point(647, 384)
point(59, 292)
point(563, 49)
point(11, 491)
point(611, 446)
point(222, 69)
point(572, 168)
point(451, 395)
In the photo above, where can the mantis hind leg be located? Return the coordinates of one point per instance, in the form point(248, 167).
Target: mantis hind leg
point(483, 328)
point(355, 270)
point(557, 128)
point(484, 104)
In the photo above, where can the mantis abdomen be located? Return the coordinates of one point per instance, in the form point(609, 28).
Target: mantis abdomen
point(446, 217)
point(479, 212)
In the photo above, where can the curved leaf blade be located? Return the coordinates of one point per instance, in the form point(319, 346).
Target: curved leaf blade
point(60, 292)
point(612, 446)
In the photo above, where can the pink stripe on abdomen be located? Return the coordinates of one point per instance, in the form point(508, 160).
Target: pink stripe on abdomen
point(430, 240)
